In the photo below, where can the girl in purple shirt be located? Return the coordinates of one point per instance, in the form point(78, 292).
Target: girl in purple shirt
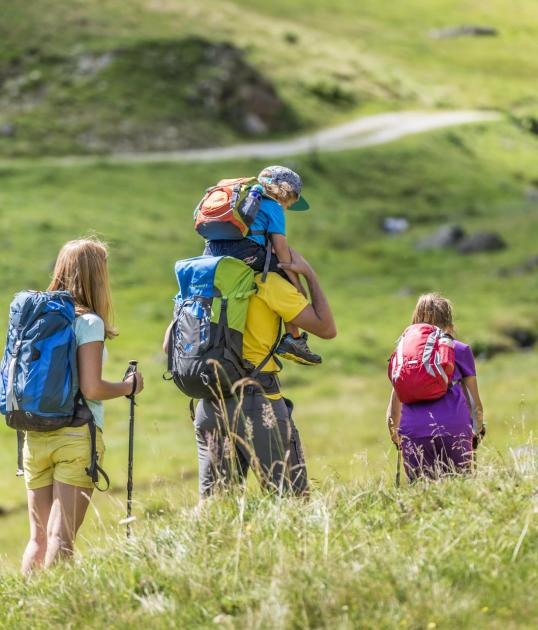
point(436, 436)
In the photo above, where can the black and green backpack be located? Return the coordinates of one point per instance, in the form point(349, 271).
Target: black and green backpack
point(205, 346)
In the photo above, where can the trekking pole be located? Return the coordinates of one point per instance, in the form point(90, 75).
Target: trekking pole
point(398, 466)
point(130, 370)
point(477, 439)
point(20, 446)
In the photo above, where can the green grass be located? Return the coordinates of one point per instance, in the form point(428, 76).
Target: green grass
point(326, 61)
point(460, 553)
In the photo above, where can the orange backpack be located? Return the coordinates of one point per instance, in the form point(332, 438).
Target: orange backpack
point(217, 216)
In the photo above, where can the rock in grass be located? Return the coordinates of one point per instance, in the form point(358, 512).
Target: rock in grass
point(254, 125)
point(8, 130)
point(531, 264)
point(395, 225)
point(531, 194)
point(468, 30)
point(523, 337)
point(529, 123)
point(487, 349)
point(445, 236)
point(90, 64)
point(481, 242)
point(527, 266)
point(514, 338)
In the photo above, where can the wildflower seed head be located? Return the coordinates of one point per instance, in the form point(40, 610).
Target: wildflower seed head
point(227, 448)
point(268, 416)
point(249, 429)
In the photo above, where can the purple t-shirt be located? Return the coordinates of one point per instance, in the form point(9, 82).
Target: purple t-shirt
point(448, 415)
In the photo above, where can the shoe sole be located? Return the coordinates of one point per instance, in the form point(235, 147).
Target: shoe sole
point(296, 359)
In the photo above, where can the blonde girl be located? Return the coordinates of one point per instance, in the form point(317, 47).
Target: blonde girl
point(55, 462)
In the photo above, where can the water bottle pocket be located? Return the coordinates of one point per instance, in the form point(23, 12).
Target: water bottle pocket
point(193, 326)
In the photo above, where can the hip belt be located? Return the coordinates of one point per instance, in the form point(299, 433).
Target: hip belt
point(268, 383)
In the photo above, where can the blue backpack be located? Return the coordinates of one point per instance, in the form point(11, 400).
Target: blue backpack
point(37, 373)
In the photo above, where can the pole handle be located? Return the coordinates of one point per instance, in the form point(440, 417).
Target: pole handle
point(131, 369)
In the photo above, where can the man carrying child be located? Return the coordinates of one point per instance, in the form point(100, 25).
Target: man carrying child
point(280, 190)
point(265, 436)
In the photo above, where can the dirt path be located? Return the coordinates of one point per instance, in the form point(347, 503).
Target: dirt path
point(362, 132)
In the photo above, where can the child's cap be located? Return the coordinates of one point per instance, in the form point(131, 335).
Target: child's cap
point(282, 174)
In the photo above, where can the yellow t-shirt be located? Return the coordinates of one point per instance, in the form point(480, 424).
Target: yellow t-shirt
point(275, 299)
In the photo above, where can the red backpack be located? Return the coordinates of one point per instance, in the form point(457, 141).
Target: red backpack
point(422, 365)
point(217, 215)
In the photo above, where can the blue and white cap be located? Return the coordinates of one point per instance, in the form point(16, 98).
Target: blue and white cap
point(280, 175)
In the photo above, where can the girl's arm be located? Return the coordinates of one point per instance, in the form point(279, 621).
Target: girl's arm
point(282, 251)
point(92, 385)
point(394, 413)
point(471, 388)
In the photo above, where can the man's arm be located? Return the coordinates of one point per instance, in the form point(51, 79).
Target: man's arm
point(317, 317)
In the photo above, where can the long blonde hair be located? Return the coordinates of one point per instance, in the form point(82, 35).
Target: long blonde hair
point(434, 309)
point(81, 268)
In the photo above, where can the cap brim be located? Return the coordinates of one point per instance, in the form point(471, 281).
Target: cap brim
point(300, 204)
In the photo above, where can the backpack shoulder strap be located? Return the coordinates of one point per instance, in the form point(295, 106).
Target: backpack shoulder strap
point(94, 470)
point(84, 415)
point(270, 354)
point(268, 253)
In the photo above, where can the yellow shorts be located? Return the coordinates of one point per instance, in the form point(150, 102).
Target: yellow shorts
point(61, 455)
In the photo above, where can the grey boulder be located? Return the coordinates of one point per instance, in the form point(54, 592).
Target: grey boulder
point(481, 242)
point(445, 236)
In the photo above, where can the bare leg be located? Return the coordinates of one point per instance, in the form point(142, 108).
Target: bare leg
point(69, 507)
point(39, 505)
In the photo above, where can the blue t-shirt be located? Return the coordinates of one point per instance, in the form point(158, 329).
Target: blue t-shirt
point(270, 218)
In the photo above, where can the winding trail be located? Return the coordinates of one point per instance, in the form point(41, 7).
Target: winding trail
point(362, 132)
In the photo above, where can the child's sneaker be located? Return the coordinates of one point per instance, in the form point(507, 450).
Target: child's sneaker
point(296, 349)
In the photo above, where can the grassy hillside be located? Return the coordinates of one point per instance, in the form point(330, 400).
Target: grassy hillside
point(476, 176)
point(160, 74)
point(94, 77)
point(457, 554)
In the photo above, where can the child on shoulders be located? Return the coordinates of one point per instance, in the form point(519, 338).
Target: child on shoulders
point(280, 188)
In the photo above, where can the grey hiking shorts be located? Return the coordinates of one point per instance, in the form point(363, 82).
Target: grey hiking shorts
point(258, 434)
